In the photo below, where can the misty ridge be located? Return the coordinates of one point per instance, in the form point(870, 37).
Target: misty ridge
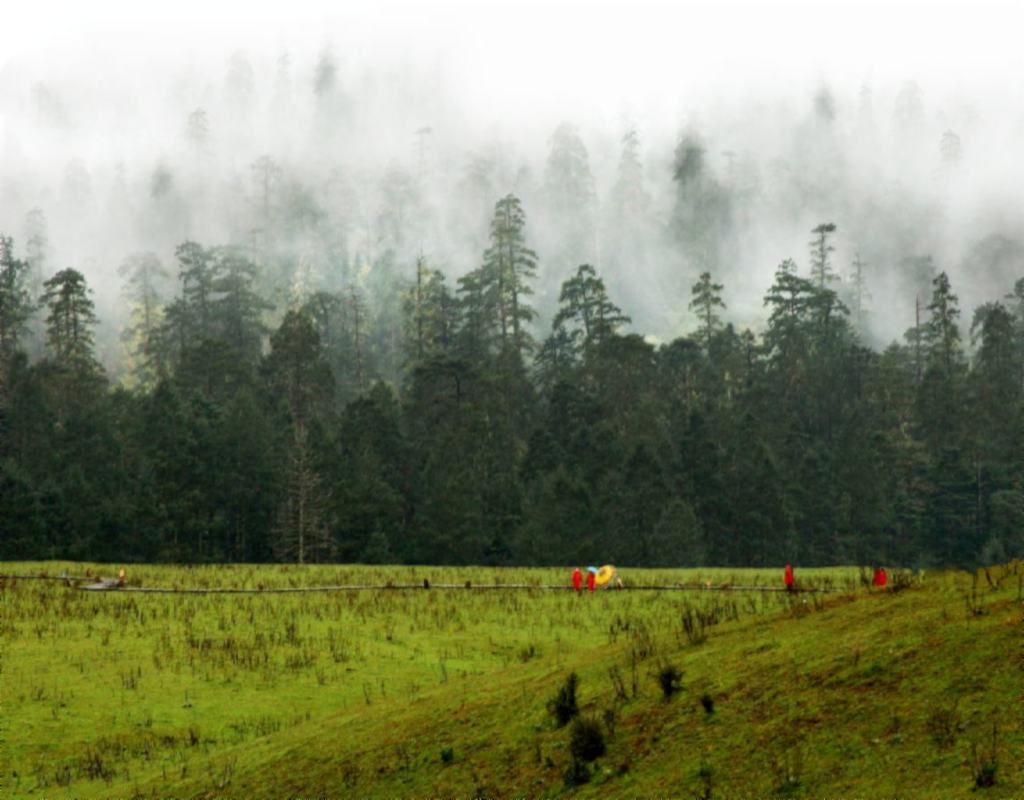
point(332, 174)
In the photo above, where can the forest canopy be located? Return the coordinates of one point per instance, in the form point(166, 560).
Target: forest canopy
point(416, 420)
point(321, 313)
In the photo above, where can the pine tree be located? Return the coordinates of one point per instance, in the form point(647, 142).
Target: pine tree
point(168, 343)
point(569, 200)
point(69, 322)
point(369, 503)
point(630, 197)
point(302, 534)
point(914, 337)
point(568, 183)
point(942, 331)
point(197, 133)
point(791, 299)
point(821, 268)
point(298, 369)
point(707, 296)
point(702, 210)
point(995, 379)
point(585, 310)
point(688, 167)
point(859, 294)
point(37, 248)
point(327, 311)
point(142, 274)
point(1016, 307)
point(356, 309)
point(941, 390)
point(477, 331)
point(15, 302)
point(498, 290)
point(557, 357)
point(197, 276)
point(237, 310)
point(415, 304)
point(430, 314)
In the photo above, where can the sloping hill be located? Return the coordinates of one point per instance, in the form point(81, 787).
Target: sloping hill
point(912, 694)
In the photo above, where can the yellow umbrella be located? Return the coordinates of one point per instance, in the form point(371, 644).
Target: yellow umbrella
point(605, 576)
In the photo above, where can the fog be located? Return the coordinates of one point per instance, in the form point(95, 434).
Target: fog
point(392, 131)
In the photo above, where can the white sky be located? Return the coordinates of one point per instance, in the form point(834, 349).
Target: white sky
point(550, 52)
point(522, 67)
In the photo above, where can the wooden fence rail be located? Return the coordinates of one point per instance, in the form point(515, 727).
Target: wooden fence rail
point(111, 585)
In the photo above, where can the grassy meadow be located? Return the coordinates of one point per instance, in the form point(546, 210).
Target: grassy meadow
point(857, 692)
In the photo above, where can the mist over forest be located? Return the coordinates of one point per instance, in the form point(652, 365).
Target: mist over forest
point(512, 398)
point(509, 297)
point(338, 172)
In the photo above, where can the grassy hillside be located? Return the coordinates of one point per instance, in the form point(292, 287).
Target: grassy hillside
point(387, 694)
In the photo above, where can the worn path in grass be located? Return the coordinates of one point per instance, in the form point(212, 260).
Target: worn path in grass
point(858, 695)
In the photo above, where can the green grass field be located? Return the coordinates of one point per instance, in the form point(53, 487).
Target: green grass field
point(856, 693)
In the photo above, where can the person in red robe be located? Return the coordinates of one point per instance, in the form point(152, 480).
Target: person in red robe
point(577, 579)
point(787, 577)
point(590, 580)
point(881, 579)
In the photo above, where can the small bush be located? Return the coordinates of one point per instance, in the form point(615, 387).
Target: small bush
point(447, 755)
point(669, 680)
point(586, 741)
point(985, 775)
point(563, 705)
point(576, 774)
point(708, 702)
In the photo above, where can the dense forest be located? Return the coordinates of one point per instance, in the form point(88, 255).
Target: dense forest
point(445, 427)
point(277, 317)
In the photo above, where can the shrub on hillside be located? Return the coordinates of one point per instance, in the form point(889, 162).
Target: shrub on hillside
point(563, 705)
point(669, 679)
point(576, 774)
point(586, 740)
